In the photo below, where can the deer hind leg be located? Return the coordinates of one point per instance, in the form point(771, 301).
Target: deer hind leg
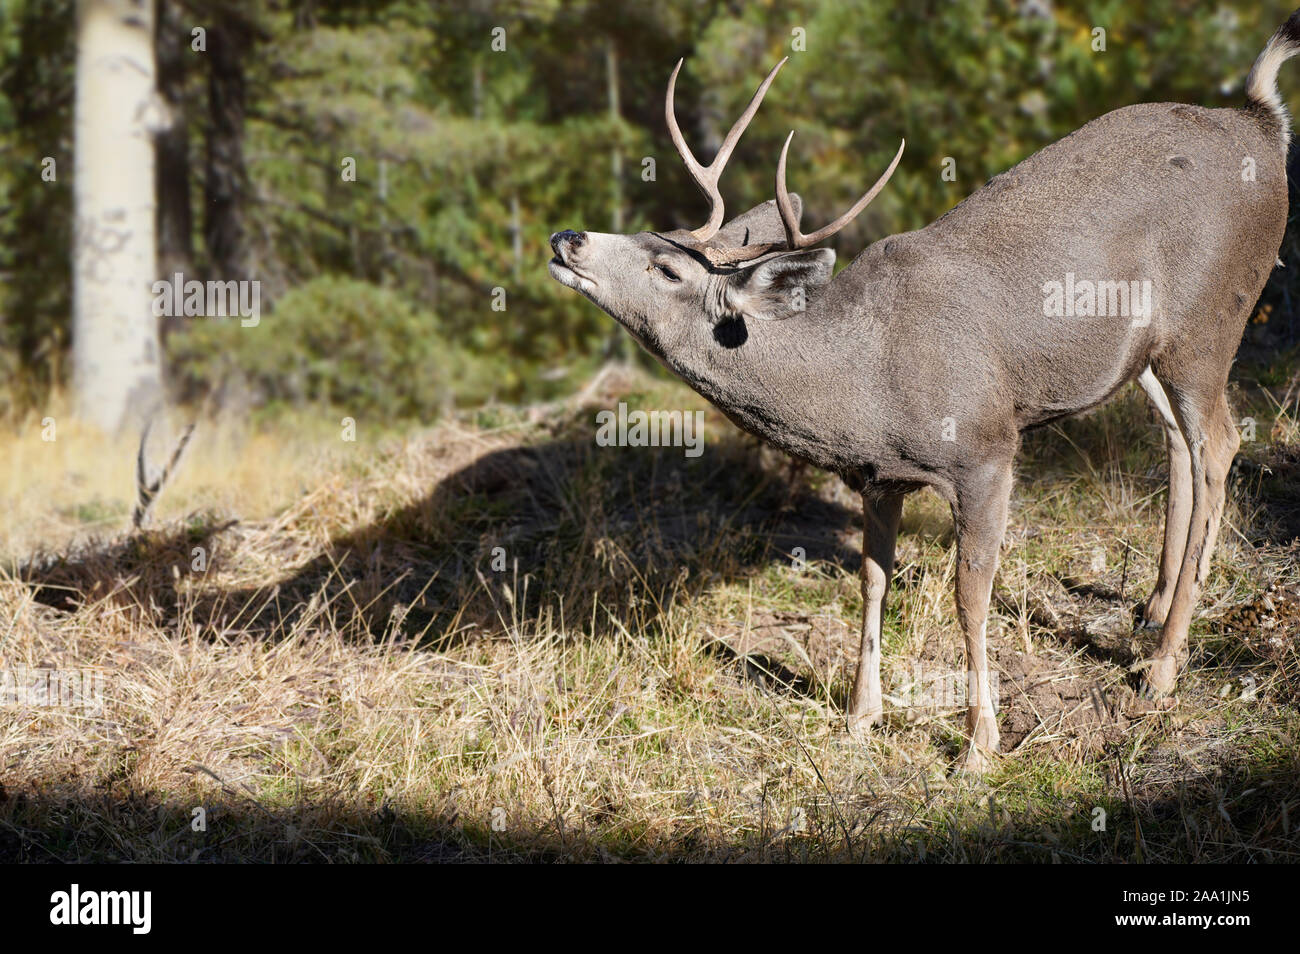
point(1178, 506)
point(1224, 443)
point(981, 517)
point(1212, 443)
point(879, 533)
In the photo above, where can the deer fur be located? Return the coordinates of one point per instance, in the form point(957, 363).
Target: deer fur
point(923, 361)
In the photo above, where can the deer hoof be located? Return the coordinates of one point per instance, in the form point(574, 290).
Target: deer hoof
point(977, 756)
point(974, 761)
point(859, 723)
point(1153, 613)
point(1160, 676)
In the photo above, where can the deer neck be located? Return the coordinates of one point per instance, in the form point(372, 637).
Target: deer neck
point(801, 384)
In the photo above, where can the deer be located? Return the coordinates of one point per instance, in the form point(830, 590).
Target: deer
point(923, 361)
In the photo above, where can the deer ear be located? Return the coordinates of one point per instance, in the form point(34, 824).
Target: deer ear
point(760, 225)
point(776, 287)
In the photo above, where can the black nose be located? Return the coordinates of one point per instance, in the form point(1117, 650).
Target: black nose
point(572, 238)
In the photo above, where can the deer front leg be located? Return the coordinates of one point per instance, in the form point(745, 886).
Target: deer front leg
point(981, 517)
point(879, 533)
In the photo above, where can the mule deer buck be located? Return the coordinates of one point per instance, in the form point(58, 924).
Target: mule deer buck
point(923, 361)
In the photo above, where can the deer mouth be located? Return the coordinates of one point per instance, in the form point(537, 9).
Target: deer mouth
point(568, 275)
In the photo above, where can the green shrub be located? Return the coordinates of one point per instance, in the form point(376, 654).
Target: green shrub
point(334, 340)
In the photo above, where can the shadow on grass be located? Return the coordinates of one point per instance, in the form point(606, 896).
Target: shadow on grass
point(519, 539)
point(1236, 813)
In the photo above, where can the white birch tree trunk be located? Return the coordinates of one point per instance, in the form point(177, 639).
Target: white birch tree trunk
point(116, 360)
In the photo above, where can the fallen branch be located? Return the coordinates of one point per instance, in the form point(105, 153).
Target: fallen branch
point(146, 490)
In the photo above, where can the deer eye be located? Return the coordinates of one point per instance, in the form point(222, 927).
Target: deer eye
point(666, 272)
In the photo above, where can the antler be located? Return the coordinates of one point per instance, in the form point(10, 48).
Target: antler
point(793, 237)
point(740, 255)
point(706, 177)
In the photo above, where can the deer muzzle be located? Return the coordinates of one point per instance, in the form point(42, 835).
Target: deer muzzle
point(564, 268)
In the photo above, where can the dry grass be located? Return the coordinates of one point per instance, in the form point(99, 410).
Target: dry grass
point(347, 677)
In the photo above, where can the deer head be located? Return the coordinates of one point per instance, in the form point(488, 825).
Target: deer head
point(672, 290)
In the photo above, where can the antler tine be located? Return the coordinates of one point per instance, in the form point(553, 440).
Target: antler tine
point(706, 177)
point(796, 239)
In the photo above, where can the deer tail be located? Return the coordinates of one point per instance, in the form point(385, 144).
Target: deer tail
point(1262, 97)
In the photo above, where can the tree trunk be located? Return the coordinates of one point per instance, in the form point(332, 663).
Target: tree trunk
point(175, 215)
point(224, 181)
point(616, 152)
point(617, 345)
point(115, 332)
